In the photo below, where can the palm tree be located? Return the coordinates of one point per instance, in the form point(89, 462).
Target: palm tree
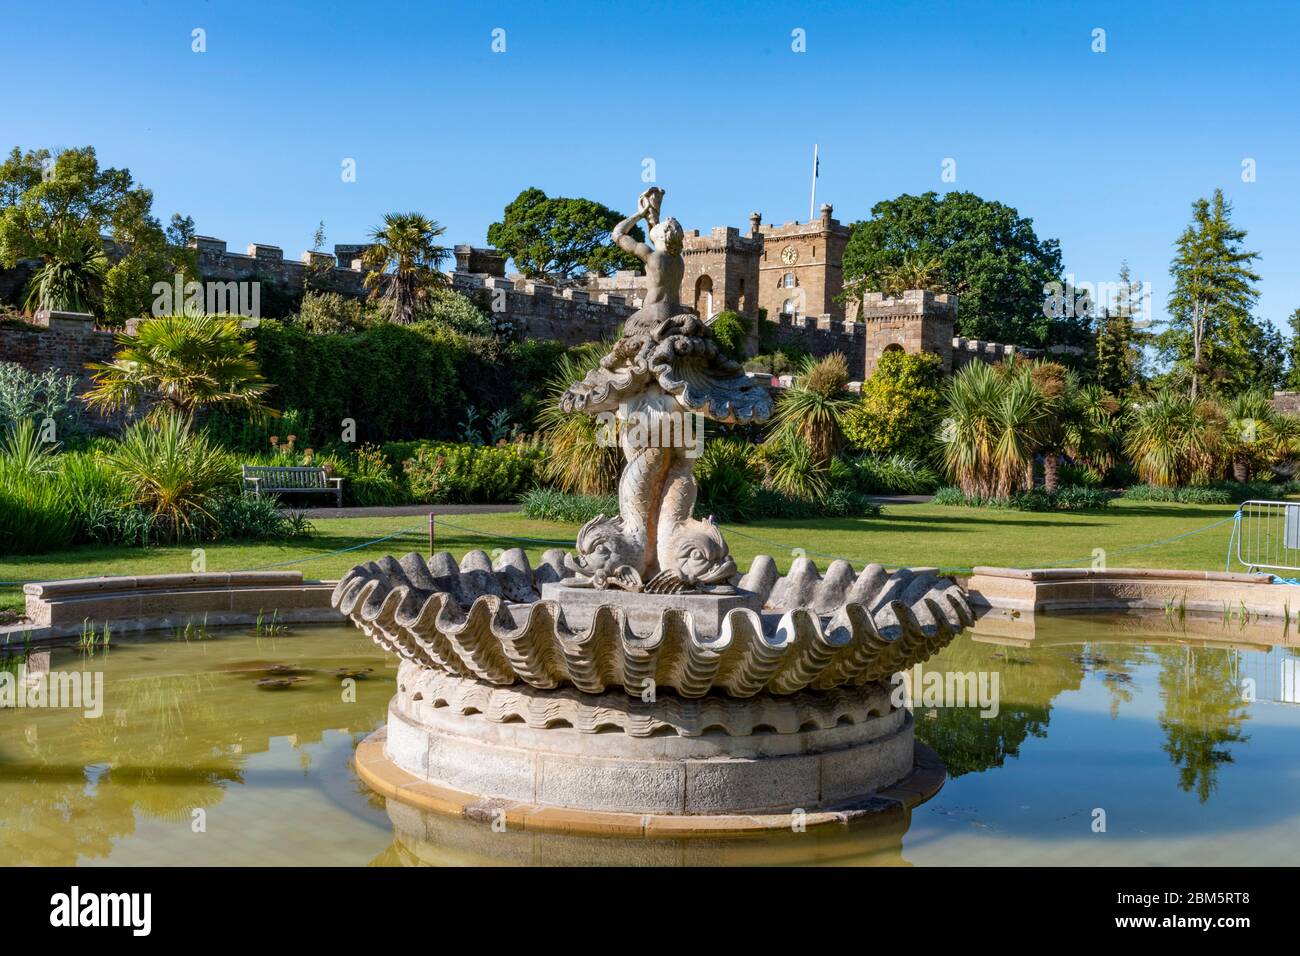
point(1257, 437)
point(71, 279)
point(1078, 422)
point(404, 262)
point(184, 363)
point(812, 410)
point(914, 272)
point(1173, 439)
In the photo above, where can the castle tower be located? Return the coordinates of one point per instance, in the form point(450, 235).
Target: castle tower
point(800, 270)
point(917, 321)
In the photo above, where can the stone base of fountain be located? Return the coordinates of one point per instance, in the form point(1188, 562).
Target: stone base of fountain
point(723, 763)
point(644, 611)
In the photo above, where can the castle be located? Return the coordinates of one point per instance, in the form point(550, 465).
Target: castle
point(790, 274)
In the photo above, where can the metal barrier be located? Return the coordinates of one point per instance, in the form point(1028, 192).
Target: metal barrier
point(1268, 535)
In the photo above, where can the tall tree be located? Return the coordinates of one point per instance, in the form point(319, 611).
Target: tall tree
point(403, 264)
point(1214, 290)
point(561, 240)
point(986, 252)
point(56, 207)
point(1293, 352)
point(1119, 341)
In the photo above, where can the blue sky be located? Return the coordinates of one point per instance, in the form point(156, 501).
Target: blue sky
point(1104, 151)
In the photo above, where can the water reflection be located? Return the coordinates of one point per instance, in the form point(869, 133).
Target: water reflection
point(1179, 729)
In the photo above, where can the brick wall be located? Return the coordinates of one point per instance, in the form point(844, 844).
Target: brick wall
point(65, 345)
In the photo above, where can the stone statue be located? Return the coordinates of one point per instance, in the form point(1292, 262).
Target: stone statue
point(663, 376)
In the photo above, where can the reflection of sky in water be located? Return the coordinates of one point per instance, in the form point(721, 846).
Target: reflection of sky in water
point(1095, 714)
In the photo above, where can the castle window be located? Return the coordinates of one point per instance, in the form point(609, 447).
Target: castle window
point(790, 307)
point(787, 280)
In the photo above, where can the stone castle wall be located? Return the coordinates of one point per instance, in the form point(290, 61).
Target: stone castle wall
point(340, 272)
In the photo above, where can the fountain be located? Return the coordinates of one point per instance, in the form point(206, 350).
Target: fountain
point(641, 684)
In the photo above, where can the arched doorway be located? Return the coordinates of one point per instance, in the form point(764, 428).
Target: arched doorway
point(704, 297)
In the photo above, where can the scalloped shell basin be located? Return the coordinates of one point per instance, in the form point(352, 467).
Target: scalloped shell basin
point(804, 630)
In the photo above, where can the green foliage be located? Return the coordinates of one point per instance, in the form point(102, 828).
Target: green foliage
point(986, 253)
point(727, 477)
point(811, 411)
point(893, 475)
point(1069, 498)
point(454, 311)
point(1211, 334)
point(184, 363)
point(174, 473)
point(1175, 440)
point(368, 478)
point(1182, 495)
point(471, 474)
point(329, 313)
point(71, 277)
point(246, 518)
point(550, 504)
point(839, 502)
point(398, 382)
point(560, 239)
point(403, 262)
point(579, 457)
point(899, 407)
point(55, 208)
point(1119, 343)
point(38, 396)
point(731, 331)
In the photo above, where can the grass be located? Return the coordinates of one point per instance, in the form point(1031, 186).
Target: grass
point(950, 537)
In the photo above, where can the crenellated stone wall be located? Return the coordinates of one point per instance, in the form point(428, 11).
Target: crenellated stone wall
point(541, 311)
point(340, 272)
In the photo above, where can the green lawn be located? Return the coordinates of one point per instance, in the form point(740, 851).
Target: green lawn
point(952, 538)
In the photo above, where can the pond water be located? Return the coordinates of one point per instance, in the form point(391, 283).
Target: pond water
point(235, 748)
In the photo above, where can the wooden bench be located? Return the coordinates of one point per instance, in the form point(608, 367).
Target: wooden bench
point(297, 479)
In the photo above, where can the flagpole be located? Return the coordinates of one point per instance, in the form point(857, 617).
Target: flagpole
point(812, 202)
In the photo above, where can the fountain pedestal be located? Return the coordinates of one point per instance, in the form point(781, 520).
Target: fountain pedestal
point(645, 611)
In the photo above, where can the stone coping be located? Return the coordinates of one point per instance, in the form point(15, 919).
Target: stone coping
point(392, 782)
point(1046, 590)
point(132, 604)
point(1135, 574)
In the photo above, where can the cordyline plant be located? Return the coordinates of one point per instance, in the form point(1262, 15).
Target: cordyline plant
point(811, 411)
point(182, 363)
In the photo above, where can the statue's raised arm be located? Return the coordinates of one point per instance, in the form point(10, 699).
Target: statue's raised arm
point(647, 208)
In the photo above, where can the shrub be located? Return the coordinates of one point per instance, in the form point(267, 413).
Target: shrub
point(1069, 498)
point(1180, 494)
point(893, 475)
point(838, 502)
point(727, 476)
point(174, 473)
point(731, 331)
point(471, 474)
point(238, 516)
point(368, 478)
point(899, 407)
point(329, 313)
point(38, 396)
point(548, 504)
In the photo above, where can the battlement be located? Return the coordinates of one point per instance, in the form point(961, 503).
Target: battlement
point(340, 272)
point(542, 311)
point(877, 305)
